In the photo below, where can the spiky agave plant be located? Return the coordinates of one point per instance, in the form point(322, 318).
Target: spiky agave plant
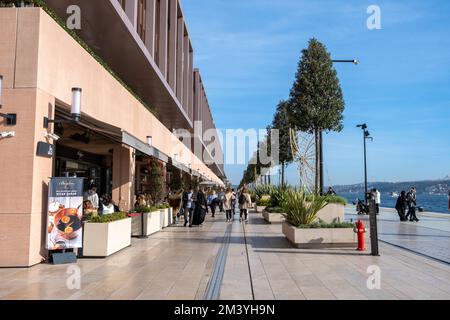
point(264, 190)
point(278, 196)
point(300, 208)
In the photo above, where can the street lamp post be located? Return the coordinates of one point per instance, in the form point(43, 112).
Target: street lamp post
point(355, 62)
point(372, 206)
point(366, 135)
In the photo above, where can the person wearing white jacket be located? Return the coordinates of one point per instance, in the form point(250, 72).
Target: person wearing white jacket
point(227, 204)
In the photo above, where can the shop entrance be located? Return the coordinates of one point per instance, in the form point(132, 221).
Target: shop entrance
point(85, 153)
point(93, 168)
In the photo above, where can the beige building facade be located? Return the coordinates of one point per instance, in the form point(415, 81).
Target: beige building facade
point(147, 46)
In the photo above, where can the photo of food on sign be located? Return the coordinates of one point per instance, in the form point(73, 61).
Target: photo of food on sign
point(64, 226)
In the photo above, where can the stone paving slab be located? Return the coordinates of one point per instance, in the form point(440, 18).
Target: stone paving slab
point(293, 273)
point(430, 236)
point(177, 263)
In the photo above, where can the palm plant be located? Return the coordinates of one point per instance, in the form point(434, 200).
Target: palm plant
point(300, 208)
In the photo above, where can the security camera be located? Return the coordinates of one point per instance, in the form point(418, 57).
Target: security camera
point(50, 135)
point(6, 134)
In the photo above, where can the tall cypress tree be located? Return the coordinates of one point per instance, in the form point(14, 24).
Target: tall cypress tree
point(316, 101)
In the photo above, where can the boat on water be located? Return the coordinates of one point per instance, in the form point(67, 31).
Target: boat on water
point(393, 194)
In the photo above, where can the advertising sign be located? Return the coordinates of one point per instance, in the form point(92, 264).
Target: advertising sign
point(65, 210)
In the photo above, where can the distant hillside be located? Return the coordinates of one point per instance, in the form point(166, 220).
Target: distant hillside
point(441, 187)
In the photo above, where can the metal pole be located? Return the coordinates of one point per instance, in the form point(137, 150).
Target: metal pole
point(321, 164)
point(365, 167)
point(373, 227)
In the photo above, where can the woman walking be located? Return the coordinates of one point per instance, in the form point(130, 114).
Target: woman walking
point(400, 206)
point(227, 203)
point(245, 202)
point(201, 208)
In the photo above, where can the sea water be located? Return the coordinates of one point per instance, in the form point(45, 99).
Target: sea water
point(429, 202)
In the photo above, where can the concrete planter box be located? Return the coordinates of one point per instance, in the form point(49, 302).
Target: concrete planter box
point(260, 209)
point(273, 217)
point(331, 212)
point(104, 239)
point(170, 216)
point(319, 238)
point(165, 218)
point(152, 223)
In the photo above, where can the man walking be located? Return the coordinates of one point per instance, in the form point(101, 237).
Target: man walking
point(188, 206)
point(412, 203)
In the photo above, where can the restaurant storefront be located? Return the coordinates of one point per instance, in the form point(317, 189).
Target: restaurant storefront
point(102, 144)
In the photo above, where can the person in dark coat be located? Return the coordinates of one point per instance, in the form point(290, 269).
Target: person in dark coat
point(201, 205)
point(411, 200)
point(400, 206)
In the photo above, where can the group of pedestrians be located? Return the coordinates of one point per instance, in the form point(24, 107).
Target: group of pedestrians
point(195, 204)
point(242, 198)
point(406, 205)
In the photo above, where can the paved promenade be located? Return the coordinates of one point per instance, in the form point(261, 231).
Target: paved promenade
point(239, 262)
point(430, 236)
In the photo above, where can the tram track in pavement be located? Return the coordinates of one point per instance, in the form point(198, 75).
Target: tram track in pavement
point(212, 291)
point(248, 260)
point(213, 288)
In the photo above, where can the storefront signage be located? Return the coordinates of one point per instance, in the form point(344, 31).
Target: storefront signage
point(45, 150)
point(65, 210)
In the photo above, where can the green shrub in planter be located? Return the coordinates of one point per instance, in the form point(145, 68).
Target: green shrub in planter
point(16, 3)
point(274, 209)
point(322, 225)
point(163, 206)
point(337, 200)
point(331, 199)
point(263, 190)
point(264, 202)
point(278, 196)
point(109, 217)
point(146, 209)
point(301, 209)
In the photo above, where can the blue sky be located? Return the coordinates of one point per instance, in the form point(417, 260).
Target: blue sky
point(248, 51)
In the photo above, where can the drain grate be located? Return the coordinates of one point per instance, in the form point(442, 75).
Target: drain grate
point(213, 289)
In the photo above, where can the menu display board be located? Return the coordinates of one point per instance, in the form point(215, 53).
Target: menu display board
point(65, 210)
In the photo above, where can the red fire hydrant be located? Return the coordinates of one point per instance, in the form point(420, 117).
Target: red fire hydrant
point(360, 230)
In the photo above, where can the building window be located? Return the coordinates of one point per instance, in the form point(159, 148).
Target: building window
point(141, 21)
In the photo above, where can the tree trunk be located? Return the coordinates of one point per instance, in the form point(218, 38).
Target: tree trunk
point(282, 175)
point(317, 168)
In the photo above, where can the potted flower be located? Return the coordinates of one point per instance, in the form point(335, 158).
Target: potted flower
point(151, 217)
point(107, 234)
point(303, 228)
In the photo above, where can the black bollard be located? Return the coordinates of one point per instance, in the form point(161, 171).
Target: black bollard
point(373, 227)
